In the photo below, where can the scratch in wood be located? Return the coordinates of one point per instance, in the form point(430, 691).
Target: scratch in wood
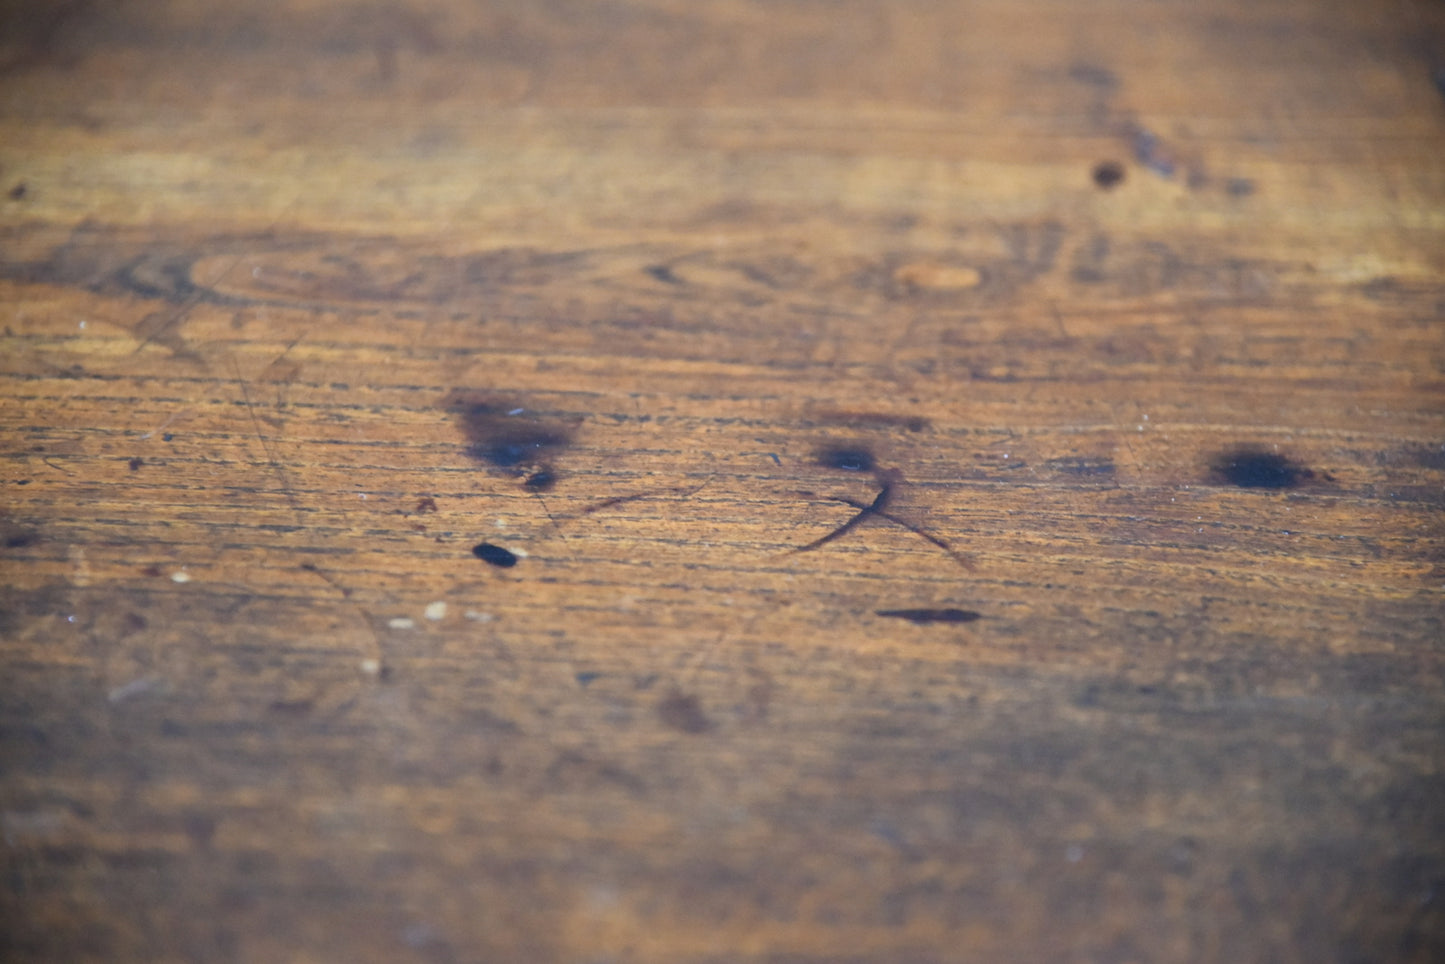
point(864, 511)
point(917, 530)
point(276, 466)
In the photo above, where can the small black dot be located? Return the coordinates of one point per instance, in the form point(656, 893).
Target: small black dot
point(1108, 174)
point(849, 460)
point(495, 555)
point(19, 191)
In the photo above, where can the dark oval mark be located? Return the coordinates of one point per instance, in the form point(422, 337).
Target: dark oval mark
point(18, 191)
point(1108, 174)
point(849, 460)
point(496, 555)
point(1252, 469)
point(683, 712)
point(922, 617)
point(1239, 187)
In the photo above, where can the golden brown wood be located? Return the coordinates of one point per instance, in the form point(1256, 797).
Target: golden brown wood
point(302, 301)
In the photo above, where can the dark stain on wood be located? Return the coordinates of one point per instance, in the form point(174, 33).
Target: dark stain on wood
point(136, 463)
point(542, 480)
point(924, 617)
point(1254, 469)
point(847, 459)
point(682, 711)
point(505, 435)
point(495, 555)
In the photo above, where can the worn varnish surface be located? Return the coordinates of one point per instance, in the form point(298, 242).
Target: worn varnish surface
point(415, 415)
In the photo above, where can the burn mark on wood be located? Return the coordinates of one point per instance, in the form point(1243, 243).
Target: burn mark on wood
point(1254, 469)
point(924, 617)
point(495, 555)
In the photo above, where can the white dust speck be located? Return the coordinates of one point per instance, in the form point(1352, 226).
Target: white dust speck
point(401, 622)
point(181, 576)
point(435, 611)
point(477, 617)
point(516, 411)
point(82, 326)
point(371, 666)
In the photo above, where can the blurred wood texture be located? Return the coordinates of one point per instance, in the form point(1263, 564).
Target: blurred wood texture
point(1118, 324)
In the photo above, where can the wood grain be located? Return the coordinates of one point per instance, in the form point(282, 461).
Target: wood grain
point(303, 302)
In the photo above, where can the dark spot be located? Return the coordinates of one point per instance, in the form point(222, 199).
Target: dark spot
point(495, 555)
point(425, 504)
point(1239, 187)
point(1251, 469)
point(683, 712)
point(584, 678)
point(136, 463)
point(541, 480)
point(23, 481)
point(663, 273)
point(153, 571)
point(18, 191)
point(849, 460)
point(167, 437)
point(923, 617)
point(133, 623)
point(1108, 174)
point(1440, 80)
point(505, 435)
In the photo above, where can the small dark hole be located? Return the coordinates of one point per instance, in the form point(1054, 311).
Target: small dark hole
point(849, 460)
point(1108, 174)
point(495, 555)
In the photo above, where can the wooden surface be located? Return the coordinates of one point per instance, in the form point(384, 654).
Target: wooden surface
point(1117, 324)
